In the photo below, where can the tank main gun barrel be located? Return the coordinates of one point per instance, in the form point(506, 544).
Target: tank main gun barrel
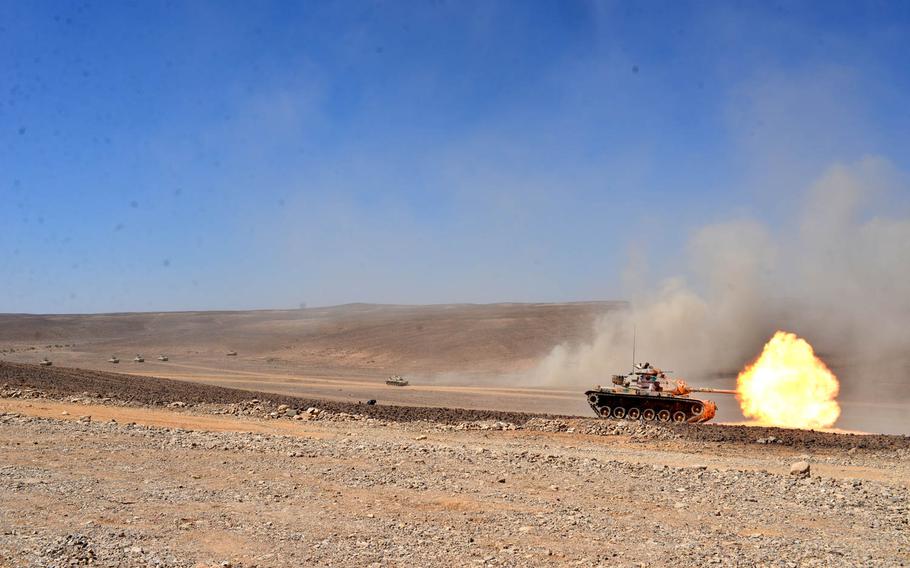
point(718, 391)
point(682, 389)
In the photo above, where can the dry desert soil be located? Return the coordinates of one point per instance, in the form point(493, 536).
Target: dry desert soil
point(170, 464)
point(476, 356)
point(456, 355)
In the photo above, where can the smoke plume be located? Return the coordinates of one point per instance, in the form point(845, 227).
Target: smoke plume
point(836, 273)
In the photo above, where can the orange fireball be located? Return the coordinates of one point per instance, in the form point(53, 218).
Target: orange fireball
point(789, 386)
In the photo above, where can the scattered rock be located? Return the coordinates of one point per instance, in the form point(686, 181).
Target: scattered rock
point(360, 459)
point(800, 469)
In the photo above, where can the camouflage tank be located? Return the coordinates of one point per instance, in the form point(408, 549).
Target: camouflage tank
point(397, 381)
point(139, 358)
point(114, 359)
point(232, 353)
point(648, 394)
point(45, 362)
point(163, 357)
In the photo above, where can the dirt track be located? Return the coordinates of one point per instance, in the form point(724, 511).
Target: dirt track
point(62, 382)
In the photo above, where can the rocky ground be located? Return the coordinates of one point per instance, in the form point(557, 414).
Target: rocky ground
point(89, 479)
point(89, 482)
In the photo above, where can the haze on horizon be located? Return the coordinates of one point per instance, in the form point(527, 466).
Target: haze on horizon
point(218, 155)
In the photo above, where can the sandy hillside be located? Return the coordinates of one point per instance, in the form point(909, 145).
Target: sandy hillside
point(349, 339)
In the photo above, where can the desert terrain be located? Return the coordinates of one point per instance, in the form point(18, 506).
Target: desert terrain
point(457, 355)
point(273, 457)
point(185, 474)
point(364, 339)
point(460, 355)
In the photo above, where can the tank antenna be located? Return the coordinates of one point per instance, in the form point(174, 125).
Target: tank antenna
point(633, 349)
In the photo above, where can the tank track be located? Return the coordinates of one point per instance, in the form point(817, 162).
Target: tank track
point(627, 406)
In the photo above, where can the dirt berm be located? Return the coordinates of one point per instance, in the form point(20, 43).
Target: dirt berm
point(153, 391)
point(63, 381)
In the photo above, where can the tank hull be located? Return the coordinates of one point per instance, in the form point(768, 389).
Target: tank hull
point(630, 404)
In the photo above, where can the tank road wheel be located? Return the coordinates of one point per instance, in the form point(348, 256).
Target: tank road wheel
point(648, 414)
point(679, 416)
point(604, 411)
point(663, 415)
point(634, 414)
point(697, 410)
point(619, 413)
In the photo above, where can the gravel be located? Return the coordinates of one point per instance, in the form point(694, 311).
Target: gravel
point(362, 492)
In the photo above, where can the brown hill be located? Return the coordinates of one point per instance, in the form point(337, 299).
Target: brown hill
point(354, 338)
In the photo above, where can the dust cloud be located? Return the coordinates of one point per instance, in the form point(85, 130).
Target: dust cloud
point(836, 272)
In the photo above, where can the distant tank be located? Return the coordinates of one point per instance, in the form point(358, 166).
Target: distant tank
point(648, 394)
point(45, 362)
point(231, 353)
point(114, 359)
point(163, 357)
point(397, 381)
point(139, 358)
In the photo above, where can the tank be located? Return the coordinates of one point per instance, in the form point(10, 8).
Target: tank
point(232, 353)
point(45, 362)
point(114, 359)
point(647, 393)
point(163, 357)
point(397, 381)
point(139, 358)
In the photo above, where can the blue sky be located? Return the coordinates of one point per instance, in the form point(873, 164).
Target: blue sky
point(209, 155)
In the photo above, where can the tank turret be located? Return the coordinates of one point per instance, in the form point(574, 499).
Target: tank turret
point(647, 393)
